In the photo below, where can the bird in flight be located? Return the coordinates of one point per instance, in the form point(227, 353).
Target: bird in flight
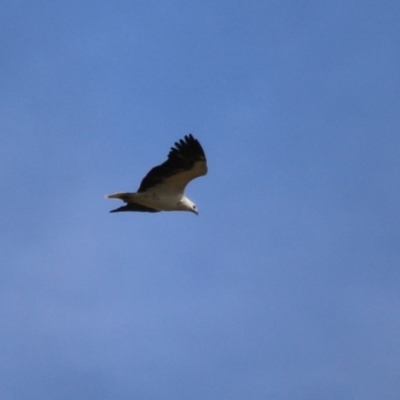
point(163, 188)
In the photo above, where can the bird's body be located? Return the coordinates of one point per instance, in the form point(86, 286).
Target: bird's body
point(163, 188)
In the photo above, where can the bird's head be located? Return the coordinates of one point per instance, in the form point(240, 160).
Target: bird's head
point(188, 205)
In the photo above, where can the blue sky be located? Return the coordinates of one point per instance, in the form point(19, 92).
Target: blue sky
point(286, 286)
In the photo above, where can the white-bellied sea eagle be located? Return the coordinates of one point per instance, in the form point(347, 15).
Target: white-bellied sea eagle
point(163, 188)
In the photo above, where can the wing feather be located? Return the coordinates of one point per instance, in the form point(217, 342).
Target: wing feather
point(186, 161)
point(134, 207)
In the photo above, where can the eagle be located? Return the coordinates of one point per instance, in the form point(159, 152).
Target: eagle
point(163, 188)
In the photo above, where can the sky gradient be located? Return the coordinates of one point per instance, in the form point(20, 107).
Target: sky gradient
point(286, 286)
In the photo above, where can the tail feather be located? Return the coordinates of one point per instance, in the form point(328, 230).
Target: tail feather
point(122, 196)
point(129, 198)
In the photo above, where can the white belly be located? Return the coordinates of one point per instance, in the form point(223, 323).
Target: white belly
point(153, 200)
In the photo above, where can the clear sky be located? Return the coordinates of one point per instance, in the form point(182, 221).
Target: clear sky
point(286, 286)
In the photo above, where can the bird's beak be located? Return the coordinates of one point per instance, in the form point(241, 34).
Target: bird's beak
point(196, 212)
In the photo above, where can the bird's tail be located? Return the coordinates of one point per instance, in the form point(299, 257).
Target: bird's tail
point(131, 205)
point(122, 196)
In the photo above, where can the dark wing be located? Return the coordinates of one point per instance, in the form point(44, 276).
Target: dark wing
point(186, 161)
point(134, 207)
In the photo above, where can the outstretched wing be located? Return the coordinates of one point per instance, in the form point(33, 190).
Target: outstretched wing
point(186, 161)
point(135, 207)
